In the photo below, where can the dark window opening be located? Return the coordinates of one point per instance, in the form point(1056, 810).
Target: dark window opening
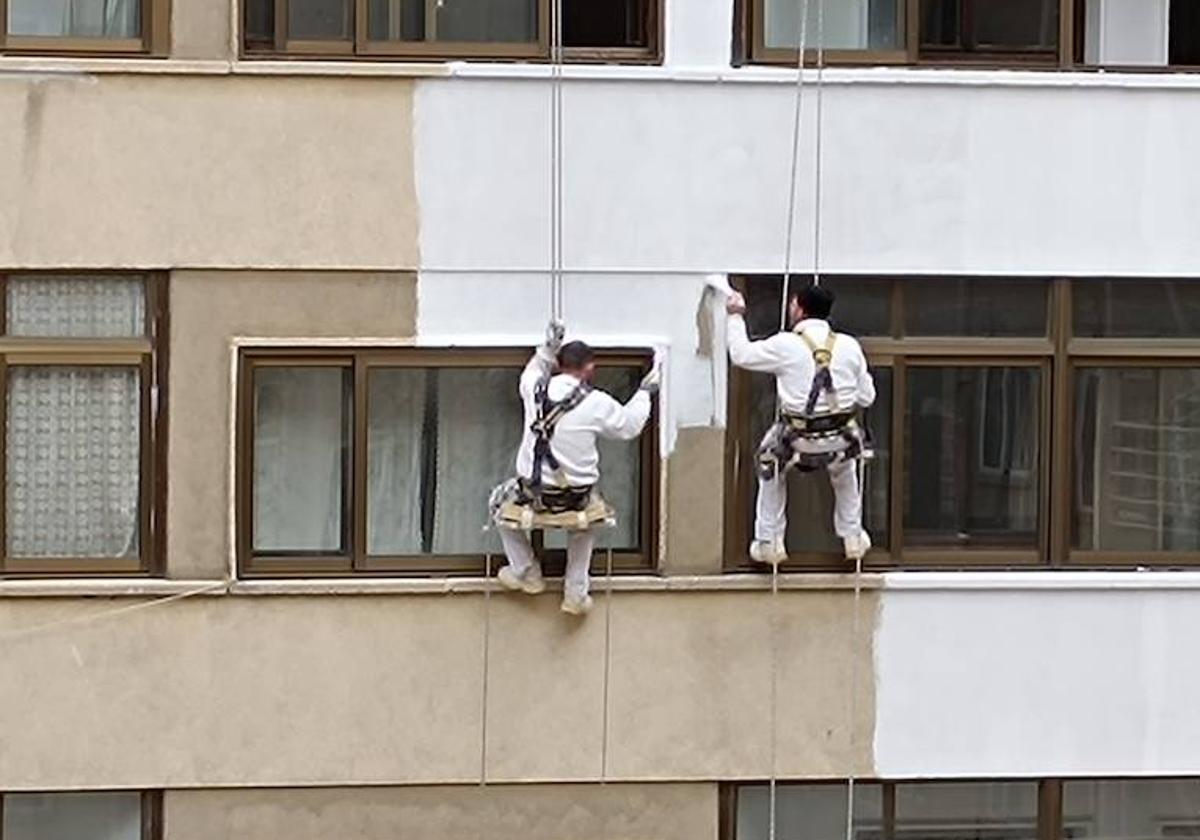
point(983, 27)
point(1184, 46)
point(606, 24)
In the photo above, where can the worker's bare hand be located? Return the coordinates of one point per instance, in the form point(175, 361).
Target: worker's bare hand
point(735, 304)
point(652, 381)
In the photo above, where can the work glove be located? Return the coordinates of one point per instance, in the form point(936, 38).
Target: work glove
point(555, 332)
point(652, 381)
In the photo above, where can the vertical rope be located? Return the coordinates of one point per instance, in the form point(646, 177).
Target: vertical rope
point(852, 706)
point(487, 656)
point(817, 179)
point(608, 592)
point(789, 233)
point(556, 162)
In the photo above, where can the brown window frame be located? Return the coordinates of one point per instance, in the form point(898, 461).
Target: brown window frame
point(155, 38)
point(355, 561)
point(1049, 816)
point(152, 811)
point(149, 355)
point(1057, 355)
point(749, 16)
point(361, 47)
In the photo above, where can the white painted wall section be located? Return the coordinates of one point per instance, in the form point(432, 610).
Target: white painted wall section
point(924, 171)
point(661, 311)
point(1038, 681)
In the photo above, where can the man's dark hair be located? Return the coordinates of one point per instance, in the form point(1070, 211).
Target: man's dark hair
point(816, 301)
point(574, 355)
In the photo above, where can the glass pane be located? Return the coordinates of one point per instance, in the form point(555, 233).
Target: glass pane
point(810, 498)
point(1136, 308)
point(1184, 33)
point(260, 23)
point(971, 465)
point(990, 24)
point(969, 306)
point(1132, 810)
point(1015, 24)
point(620, 471)
point(847, 25)
point(72, 816)
point(73, 455)
point(319, 20)
point(301, 452)
point(474, 21)
point(605, 23)
point(437, 441)
point(966, 811)
point(76, 306)
point(1137, 459)
point(862, 307)
point(75, 18)
point(809, 812)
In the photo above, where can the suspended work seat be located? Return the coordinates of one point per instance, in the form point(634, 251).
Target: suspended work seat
point(514, 505)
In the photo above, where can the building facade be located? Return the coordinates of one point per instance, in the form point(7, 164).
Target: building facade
point(270, 270)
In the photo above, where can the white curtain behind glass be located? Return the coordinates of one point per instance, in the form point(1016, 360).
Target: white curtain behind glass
point(846, 24)
point(76, 307)
point(396, 400)
point(299, 440)
point(75, 18)
point(479, 425)
point(73, 467)
point(72, 816)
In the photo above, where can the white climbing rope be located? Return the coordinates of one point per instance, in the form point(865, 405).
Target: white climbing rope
point(487, 657)
point(608, 581)
point(556, 161)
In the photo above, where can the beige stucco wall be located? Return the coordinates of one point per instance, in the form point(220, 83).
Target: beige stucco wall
point(208, 309)
point(335, 690)
point(695, 503)
point(200, 28)
point(164, 171)
point(525, 812)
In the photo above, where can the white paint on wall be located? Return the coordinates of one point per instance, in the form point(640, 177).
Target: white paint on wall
point(1037, 683)
point(657, 312)
point(699, 33)
point(920, 177)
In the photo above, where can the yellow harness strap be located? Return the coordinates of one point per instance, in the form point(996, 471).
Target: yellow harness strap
point(822, 353)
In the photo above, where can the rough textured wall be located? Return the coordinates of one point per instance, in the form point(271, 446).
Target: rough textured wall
point(207, 310)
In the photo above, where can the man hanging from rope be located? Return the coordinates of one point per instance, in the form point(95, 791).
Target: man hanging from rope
point(558, 464)
point(822, 383)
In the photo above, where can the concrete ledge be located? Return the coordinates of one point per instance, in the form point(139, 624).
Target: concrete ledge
point(1047, 580)
point(1166, 79)
point(110, 588)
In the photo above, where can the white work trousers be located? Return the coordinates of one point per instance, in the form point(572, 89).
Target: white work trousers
point(519, 551)
point(770, 520)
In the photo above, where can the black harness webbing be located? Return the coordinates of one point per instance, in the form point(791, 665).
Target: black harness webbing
point(550, 412)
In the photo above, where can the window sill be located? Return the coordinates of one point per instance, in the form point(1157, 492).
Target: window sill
point(1042, 580)
point(751, 74)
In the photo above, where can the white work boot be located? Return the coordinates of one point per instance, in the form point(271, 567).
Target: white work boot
point(771, 553)
point(531, 583)
point(857, 547)
point(577, 604)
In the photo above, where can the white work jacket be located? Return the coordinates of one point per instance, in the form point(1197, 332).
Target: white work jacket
point(574, 440)
point(790, 359)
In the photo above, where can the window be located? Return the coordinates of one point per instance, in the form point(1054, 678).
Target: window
point(84, 413)
point(1144, 809)
point(1141, 33)
point(92, 26)
point(1039, 422)
point(81, 816)
point(911, 31)
point(380, 461)
point(599, 30)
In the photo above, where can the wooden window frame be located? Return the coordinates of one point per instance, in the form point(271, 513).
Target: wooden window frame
point(1049, 815)
point(148, 354)
point(152, 811)
point(355, 561)
point(750, 14)
point(155, 38)
point(360, 47)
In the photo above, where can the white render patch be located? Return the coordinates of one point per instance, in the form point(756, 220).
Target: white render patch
point(659, 312)
point(1066, 678)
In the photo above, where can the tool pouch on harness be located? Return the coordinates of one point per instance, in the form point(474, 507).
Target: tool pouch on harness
point(781, 448)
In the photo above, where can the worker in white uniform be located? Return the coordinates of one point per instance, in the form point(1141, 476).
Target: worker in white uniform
point(559, 470)
point(822, 381)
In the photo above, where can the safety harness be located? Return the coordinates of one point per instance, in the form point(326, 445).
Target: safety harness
point(528, 502)
point(780, 450)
